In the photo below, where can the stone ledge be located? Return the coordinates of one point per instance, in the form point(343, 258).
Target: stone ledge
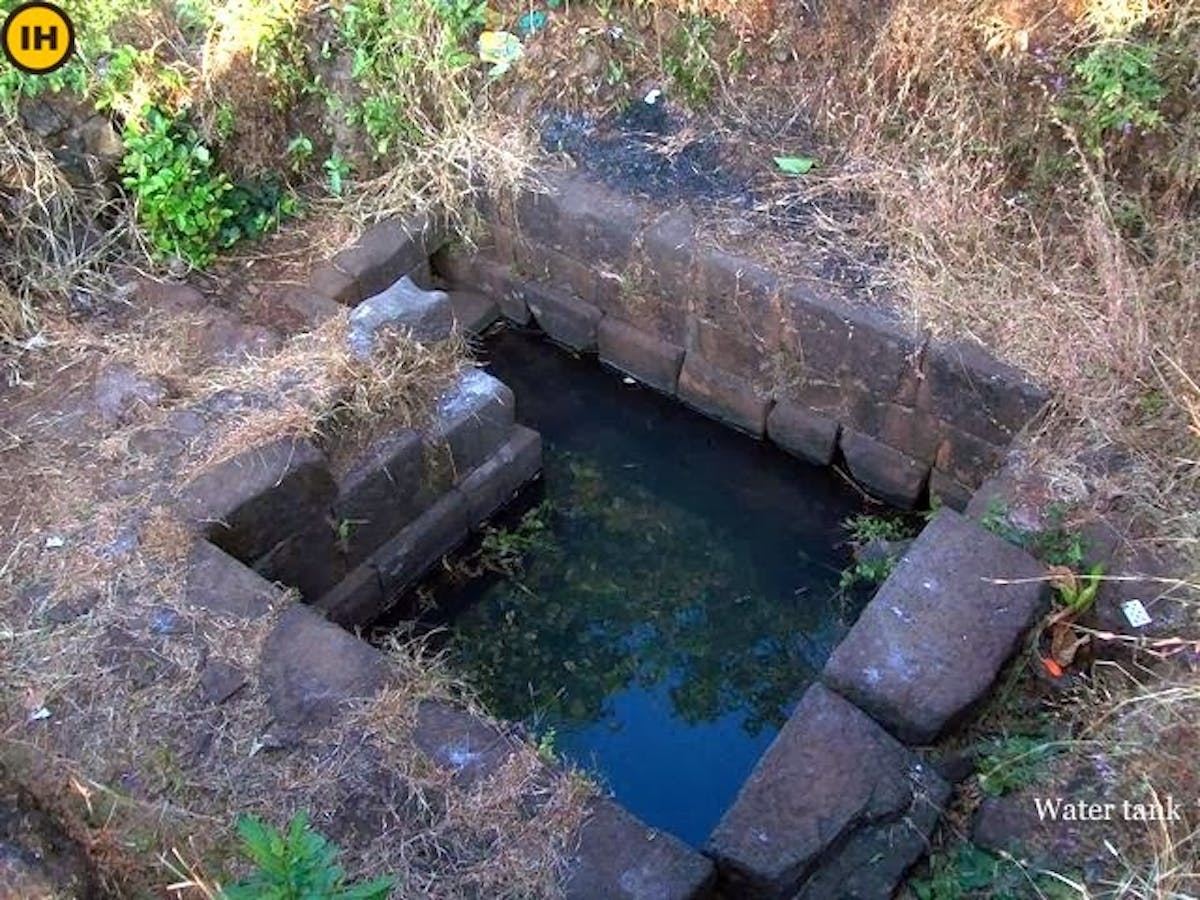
point(566, 319)
point(251, 502)
point(387, 251)
point(494, 483)
point(722, 396)
point(619, 858)
point(642, 356)
point(311, 669)
point(886, 472)
point(802, 432)
point(836, 807)
point(473, 418)
point(933, 639)
point(221, 584)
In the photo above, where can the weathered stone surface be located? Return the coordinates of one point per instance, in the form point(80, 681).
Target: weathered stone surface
point(311, 305)
point(948, 491)
point(836, 807)
point(464, 743)
point(311, 669)
point(155, 443)
point(122, 395)
point(381, 493)
point(388, 250)
point(312, 560)
point(473, 418)
point(802, 432)
point(620, 858)
point(1155, 577)
point(565, 318)
point(414, 549)
point(729, 345)
point(101, 140)
point(458, 265)
point(327, 280)
point(933, 639)
point(588, 221)
point(474, 312)
point(493, 484)
point(403, 307)
point(723, 396)
point(963, 384)
point(219, 583)
point(885, 471)
point(967, 459)
point(220, 680)
point(1004, 824)
point(358, 598)
point(251, 502)
point(643, 356)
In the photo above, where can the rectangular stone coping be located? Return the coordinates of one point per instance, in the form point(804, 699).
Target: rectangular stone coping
point(933, 639)
point(832, 787)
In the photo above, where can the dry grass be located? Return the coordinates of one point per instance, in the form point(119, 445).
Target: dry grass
point(54, 240)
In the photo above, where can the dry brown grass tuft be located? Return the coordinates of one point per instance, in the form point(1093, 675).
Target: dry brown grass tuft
point(54, 239)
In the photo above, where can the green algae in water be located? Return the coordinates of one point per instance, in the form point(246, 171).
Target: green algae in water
point(674, 595)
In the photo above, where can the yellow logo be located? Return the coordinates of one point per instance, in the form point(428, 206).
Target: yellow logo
point(38, 37)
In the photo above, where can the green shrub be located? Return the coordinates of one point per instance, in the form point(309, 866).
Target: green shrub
point(296, 864)
point(187, 206)
point(1117, 87)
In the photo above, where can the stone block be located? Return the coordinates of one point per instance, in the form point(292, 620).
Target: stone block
point(836, 807)
point(643, 356)
point(620, 858)
point(312, 560)
point(933, 639)
point(251, 502)
point(722, 396)
point(948, 491)
point(965, 458)
point(311, 669)
point(594, 222)
point(310, 305)
point(356, 600)
point(802, 432)
point(473, 418)
point(457, 265)
point(964, 385)
point(890, 475)
point(491, 485)
point(739, 296)
point(474, 312)
point(389, 250)
point(731, 347)
point(409, 553)
point(329, 281)
point(460, 741)
point(381, 492)
point(402, 307)
point(222, 585)
point(565, 318)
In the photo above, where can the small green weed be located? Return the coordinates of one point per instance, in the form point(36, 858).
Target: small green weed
point(296, 864)
point(1012, 762)
point(864, 528)
point(1117, 89)
point(867, 572)
point(688, 60)
point(1078, 592)
point(1055, 544)
point(503, 549)
point(970, 872)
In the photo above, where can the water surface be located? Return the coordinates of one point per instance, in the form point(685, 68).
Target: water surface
point(678, 589)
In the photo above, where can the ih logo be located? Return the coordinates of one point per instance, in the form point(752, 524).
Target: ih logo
point(38, 37)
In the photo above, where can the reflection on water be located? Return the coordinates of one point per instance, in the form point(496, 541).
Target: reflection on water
point(677, 595)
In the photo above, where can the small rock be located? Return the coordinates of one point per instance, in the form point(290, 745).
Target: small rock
point(426, 315)
point(166, 621)
point(125, 655)
point(119, 393)
point(42, 119)
point(73, 607)
point(1003, 824)
point(220, 680)
point(186, 422)
point(100, 139)
point(155, 443)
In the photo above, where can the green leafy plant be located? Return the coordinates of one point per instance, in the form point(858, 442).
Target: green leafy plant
point(867, 571)
point(1117, 88)
point(1055, 544)
point(503, 549)
point(296, 864)
point(1078, 592)
point(1012, 762)
point(299, 152)
point(180, 194)
point(337, 170)
point(688, 60)
point(795, 165)
point(864, 528)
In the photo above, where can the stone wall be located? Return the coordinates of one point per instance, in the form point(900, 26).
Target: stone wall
point(780, 357)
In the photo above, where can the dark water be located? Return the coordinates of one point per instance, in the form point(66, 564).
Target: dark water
point(677, 594)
